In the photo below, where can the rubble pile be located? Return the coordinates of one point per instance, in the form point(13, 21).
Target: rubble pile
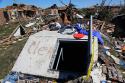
point(107, 64)
point(113, 74)
point(24, 30)
point(110, 53)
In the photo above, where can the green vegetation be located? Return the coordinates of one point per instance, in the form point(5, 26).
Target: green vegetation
point(9, 53)
point(8, 56)
point(7, 29)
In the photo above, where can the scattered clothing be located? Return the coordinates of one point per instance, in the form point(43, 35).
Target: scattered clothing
point(84, 31)
point(54, 26)
point(58, 25)
point(11, 78)
point(67, 30)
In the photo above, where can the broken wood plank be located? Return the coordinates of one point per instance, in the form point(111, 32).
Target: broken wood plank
point(102, 26)
point(104, 69)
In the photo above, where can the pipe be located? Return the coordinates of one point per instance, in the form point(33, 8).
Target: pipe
point(90, 47)
point(90, 35)
point(59, 58)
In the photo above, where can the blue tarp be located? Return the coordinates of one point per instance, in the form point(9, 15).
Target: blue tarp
point(84, 31)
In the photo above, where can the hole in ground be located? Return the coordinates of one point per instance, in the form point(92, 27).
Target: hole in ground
point(72, 56)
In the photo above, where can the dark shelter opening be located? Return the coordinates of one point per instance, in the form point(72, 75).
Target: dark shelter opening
point(72, 56)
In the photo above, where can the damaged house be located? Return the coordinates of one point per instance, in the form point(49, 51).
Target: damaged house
point(21, 11)
point(3, 16)
point(53, 10)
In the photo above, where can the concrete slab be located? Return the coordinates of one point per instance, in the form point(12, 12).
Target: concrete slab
point(37, 53)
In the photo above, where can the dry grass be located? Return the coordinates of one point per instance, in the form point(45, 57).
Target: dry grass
point(9, 53)
point(8, 56)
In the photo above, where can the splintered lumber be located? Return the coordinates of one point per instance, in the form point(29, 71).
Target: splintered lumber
point(4, 40)
point(109, 73)
point(120, 77)
point(114, 75)
point(105, 60)
point(114, 72)
point(13, 32)
point(104, 69)
point(102, 26)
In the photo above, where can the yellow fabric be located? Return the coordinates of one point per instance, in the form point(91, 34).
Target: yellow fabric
point(92, 62)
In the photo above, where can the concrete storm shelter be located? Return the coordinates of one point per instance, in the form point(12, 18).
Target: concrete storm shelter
point(53, 55)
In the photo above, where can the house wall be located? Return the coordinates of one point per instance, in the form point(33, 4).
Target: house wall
point(2, 18)
point(54, 11)
point(51, 11)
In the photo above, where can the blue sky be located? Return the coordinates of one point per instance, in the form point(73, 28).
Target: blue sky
point(47, 3)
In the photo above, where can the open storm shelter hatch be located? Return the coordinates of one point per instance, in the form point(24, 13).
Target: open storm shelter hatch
point(71, 55)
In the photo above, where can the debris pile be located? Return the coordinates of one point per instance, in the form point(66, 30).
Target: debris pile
point(46, 56)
